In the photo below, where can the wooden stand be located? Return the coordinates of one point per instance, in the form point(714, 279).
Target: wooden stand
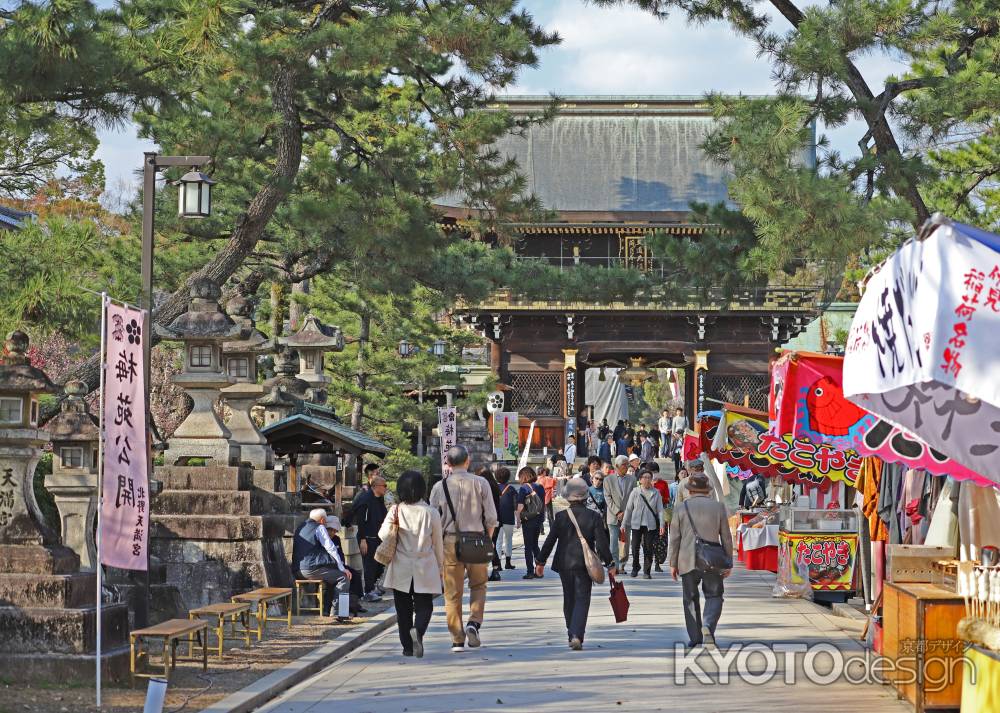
point(920, 639)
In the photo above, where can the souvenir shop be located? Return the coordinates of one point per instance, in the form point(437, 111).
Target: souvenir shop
point(876, 474)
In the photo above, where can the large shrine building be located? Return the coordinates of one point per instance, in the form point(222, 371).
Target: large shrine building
point(611, 170)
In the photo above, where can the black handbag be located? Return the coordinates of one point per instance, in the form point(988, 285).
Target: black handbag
point(470, 547)
point(660, 550)
point(709, 557)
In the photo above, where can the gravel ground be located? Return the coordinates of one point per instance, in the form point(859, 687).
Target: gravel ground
point(190, 688)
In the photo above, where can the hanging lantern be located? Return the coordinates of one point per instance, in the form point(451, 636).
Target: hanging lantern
point(194, 197)
point(636, 373)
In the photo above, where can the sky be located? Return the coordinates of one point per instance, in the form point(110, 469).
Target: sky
point(606, 51)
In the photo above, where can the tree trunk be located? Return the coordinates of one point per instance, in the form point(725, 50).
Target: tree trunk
point(249, 226)
point(296, 310)
point(360, 376)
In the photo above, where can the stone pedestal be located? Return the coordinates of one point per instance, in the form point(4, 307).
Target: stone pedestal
point(202, 434)
point(222, 530)
point(47, 608)
point(253, 448)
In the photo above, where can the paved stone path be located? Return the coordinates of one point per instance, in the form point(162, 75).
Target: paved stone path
point(524, 664)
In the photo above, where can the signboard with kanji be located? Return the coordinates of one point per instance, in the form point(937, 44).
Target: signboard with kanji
point(505, 436)
point(448, 430)
point(125, 484)
point(829, 559)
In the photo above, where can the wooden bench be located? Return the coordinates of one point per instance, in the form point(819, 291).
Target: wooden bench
point(260, 598)
point(302, 591)
point(170, 632)
point(220, 613)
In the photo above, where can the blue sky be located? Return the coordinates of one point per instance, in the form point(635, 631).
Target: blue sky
point(608, 51)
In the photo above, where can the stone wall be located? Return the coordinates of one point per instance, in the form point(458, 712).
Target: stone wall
point(221, 530)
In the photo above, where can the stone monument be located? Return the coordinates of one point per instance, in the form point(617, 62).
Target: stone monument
point(73, 482)
point(241, 366)
point(202, 329)
point(47, 607)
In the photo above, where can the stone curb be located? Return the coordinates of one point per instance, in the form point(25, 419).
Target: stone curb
point(270, 686)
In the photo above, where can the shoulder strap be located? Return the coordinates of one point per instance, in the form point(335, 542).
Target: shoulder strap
point(687, 509)
point(646, 503)
point(572, 518)
point(451, 507)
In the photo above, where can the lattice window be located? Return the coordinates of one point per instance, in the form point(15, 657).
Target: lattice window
point(749, 389)
point(536, 392)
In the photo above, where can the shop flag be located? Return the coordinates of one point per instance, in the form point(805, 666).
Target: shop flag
point(921, 352)
point(125, 482)
point(448, 432)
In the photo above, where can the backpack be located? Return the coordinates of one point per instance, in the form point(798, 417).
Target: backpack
point(533, 506)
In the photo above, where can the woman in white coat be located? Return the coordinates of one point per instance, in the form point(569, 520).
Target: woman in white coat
point(414, 574)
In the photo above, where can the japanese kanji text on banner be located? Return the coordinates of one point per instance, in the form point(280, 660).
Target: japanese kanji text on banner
point(125, 484)
point(447, 425)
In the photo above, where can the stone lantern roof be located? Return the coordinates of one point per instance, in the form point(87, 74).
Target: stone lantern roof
point(316, 335)
point(74, 422)
point(17, 375)
point(204, 320)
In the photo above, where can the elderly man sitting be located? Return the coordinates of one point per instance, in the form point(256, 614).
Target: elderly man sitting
point(315, 555)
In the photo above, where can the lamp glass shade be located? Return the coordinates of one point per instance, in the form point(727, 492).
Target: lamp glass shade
point(195, 195)
point(438, 347)
point(404, 348)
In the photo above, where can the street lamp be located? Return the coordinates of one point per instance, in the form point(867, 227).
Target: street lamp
point(405, 348)
point(194, 199)
point(198, 187)
point(438, 348)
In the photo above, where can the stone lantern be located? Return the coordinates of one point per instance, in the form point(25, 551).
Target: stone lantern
point(202, 329)
point(73, 482)
point(312, 341)
point(286, 393)
point(241, 364)
point(21, 442)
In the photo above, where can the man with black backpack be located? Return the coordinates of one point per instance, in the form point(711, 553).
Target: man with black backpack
point(701, 547)
point(468, 518)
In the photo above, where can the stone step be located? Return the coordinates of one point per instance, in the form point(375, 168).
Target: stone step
point(207, 527)
point(55, 591)
point(61, 631)
point(223, 502)
point(76, 670)
point(208, 477)
point(38, 559)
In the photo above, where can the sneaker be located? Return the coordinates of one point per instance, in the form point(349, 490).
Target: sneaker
point(418, 643)
point(457, 648)
point(372, 596)
point(472, 635)
point(647, 575)
point(529, 575)
point(575, 644)
point(707, 638)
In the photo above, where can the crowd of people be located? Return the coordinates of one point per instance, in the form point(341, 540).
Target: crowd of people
point(461, 533)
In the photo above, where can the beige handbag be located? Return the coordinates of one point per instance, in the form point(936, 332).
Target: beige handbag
point(594, 567)
point(387, 548)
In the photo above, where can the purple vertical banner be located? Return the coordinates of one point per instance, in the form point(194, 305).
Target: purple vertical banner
point(447, 425)
point(125, 484)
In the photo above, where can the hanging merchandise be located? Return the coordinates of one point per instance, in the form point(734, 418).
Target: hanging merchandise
point(921, 352)
point(807, 401)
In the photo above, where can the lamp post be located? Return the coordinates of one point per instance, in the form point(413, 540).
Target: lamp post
point(195, 201)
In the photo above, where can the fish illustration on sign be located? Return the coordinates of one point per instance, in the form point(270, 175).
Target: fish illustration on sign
point(829, 412)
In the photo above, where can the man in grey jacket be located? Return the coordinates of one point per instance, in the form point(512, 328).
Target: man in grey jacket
point(617, 488)
point(711, 521)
